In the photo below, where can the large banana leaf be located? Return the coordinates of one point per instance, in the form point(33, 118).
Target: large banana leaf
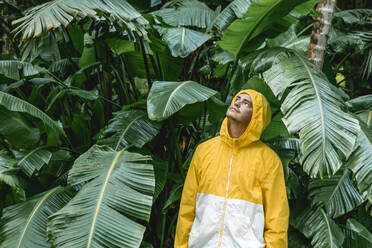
point(13, 103)
point(129, 127)
point(323, 231)
point(337, 193)
point(166, 98)
point(53, 14)
point(16, 69)
point(234, 10)
point(187, 13)
point(360, 162)
point(261, 15)
point(313, 108)
point(182, 41)
point(34, 160)
point(120, 184)
point(24, 225)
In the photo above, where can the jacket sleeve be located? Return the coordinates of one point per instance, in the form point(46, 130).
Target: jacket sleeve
point(187, 207)
point(275, 205)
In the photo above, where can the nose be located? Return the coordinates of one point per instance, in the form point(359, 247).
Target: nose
point(237, 103)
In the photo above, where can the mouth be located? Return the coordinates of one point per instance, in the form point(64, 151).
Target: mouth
point(236, 110)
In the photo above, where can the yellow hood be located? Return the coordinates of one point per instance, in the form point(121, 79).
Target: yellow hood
point(261, 118)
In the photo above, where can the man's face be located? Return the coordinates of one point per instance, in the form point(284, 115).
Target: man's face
point(241, 110)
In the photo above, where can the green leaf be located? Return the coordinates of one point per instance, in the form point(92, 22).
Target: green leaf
point(182, 41)
point(313, 108)
point(9, 174)
point(16, 69)
point(360, 162)
point(258, 84)
point(13, 103)
point(166, 98)
point(13, 126)
point(34, 160)
point(361, 103)
point(359, 229)
point(337, 193)
point(161, 172)
point(355, 16)
point(129, 127)
point(317, 225)
point(174, 195)
point(120, 46)
point(88, 56)
point(236, 9)
point(120, 188)
point(24, 225)
point(84, 94)
point(187, 13)
point(53, 14)
point(261, 15)
point(275, 129)
point(289, 39)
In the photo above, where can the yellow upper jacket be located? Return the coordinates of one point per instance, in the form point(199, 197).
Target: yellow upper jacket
point(234, 194)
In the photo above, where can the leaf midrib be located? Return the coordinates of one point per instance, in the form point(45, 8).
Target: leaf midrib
point(338, 184)
point(328, 227)
point(100, 198)
point(36, 208)
point(318, 101)
point(126, 129)
point(171, 95)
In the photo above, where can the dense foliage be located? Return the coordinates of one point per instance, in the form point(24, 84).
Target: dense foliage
point(103, 102)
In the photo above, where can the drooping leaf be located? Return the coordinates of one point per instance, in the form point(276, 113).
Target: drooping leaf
point(360, 162)
point(120, 184)
point(337, 193)
point(174, 195)
point(120, 46)
point(236, 9)
point(33, 160)
point(323, 231)
point(129, 127)
point(84, 94)
point(16, 104)
point(289, 39)
point(186, 13)
point(359, 229)
point(9, 173)
point(16, 69)
point(360, 103)
point(166, 98)
point(24, 225)
point(355, 16)
point(182, 41)
point(53, 14)
point(88, 55)
point(259, 17)
point(13, 126)
point(161, 172)
point(313, 108)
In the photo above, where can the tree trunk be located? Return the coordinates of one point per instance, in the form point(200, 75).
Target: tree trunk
point(319, 35)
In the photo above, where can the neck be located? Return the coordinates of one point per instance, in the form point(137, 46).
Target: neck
point(236, 129)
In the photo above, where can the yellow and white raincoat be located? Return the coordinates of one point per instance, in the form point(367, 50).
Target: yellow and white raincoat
point(234, 194)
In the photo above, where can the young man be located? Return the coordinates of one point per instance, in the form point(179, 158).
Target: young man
point(234, 194)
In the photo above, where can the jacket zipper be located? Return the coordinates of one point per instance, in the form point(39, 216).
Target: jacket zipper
point(224, 206)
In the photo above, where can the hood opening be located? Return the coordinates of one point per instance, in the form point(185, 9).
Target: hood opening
point(261, 117)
